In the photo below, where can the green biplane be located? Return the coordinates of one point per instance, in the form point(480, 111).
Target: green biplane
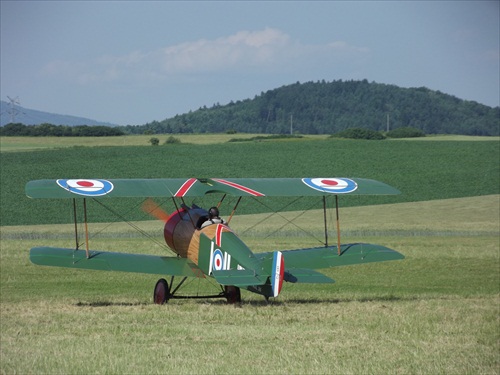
point(211, 250)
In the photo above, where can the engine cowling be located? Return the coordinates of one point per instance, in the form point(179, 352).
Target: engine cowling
point(180, 231)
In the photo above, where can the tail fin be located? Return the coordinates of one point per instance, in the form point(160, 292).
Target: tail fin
point(225, 252)
point(238, 266)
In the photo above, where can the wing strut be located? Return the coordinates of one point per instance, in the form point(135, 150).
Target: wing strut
point(184, 205)
point(86, 228)
point(234, 210)
point(324, 219)
point(221, 200)
point(76, 224)
point(338, 223)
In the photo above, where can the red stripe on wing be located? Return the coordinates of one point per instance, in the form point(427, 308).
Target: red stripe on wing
point(240, 187)
point(185, 187)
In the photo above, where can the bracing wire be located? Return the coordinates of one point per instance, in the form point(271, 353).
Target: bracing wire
point(131, 224)
point(287, 221)
point(273, 212)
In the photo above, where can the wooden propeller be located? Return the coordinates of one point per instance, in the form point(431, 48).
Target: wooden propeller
point(151, 207)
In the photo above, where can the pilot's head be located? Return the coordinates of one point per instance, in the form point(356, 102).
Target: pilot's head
point(213, 212)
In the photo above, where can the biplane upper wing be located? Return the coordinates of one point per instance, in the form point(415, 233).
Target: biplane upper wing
point(192, 187)
point(110, 261)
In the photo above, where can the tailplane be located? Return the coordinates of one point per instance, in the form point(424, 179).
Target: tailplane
point(236, 265)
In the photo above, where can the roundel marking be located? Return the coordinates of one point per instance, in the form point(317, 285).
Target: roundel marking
point(218, 260)
point(83, 183)
point(89, 188)
point(331, 185)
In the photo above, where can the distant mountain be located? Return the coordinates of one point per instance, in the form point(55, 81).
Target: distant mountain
point(330, 107)
point(33, 117)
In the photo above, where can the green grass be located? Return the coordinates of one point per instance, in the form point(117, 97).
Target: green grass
point(437, 311)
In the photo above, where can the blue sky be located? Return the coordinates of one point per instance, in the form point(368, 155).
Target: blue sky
point(133, 62)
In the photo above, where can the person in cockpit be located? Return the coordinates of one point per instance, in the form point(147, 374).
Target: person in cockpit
point(212, 218)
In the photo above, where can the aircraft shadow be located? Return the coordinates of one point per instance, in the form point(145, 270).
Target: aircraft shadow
point(263, 302)
point(109, 303)
point(313, 301)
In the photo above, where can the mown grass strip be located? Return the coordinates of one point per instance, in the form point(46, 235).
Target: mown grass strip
point(434, 312)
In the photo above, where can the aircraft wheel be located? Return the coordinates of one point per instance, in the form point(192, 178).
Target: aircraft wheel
point(233, 294)
point(161, 292)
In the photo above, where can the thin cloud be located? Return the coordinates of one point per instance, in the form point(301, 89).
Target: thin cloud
point(267, 49)
point(244, 48)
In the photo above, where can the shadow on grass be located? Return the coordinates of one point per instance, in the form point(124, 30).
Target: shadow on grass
point(314, 301)
point(263, 302)
point(109, 303)
point(354, 299)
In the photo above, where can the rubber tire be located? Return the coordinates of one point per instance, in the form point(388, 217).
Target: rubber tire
point(161, 293)
point(233, 294)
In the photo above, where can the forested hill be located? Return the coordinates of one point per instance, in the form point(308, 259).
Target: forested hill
point(330, 107)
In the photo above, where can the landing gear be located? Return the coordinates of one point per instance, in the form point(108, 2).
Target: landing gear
point(161, 293)
point(164, 292)
point(233, 294)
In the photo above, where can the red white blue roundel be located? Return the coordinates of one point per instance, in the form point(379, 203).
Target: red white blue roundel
point(90, 188)
point(218, 260)
point(331, 185)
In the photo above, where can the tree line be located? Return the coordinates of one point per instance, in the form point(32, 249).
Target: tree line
point(45, 130)
point(330, 107)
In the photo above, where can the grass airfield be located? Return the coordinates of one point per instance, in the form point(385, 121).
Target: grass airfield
point(437, 311)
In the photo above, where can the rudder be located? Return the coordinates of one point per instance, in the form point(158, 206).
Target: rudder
point(278, 272)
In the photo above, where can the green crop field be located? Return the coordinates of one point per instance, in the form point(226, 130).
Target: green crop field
point(421, 170)
point(436, 311)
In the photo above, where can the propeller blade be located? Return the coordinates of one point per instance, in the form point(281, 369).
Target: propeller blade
point(151, 207)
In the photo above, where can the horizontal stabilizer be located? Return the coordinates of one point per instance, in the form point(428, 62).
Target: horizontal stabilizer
point(326, 257)
point(240, 278)
point(109, 261)
point(304, 275)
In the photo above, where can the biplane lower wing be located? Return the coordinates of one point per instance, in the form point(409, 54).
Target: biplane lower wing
point(110, 261)
point(326, 257)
